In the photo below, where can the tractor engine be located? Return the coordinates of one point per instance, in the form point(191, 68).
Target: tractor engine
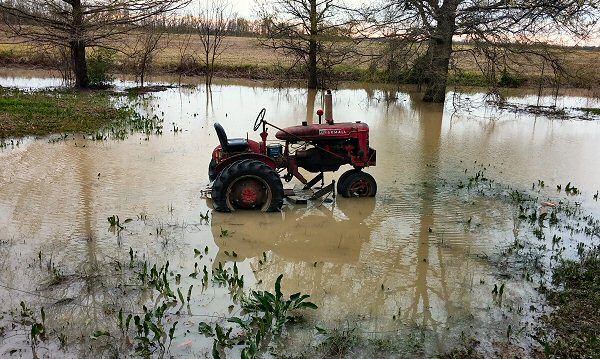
point(331, 145)
point(323, 158)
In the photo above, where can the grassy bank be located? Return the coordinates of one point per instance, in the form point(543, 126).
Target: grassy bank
point(575, 322)
point(49, 112)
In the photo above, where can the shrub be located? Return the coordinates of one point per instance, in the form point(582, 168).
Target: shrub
point(511, 80)
point(100, 62)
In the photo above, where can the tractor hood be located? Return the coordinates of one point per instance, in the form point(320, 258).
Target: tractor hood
point(321, 132)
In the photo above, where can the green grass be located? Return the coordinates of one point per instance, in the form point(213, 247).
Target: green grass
point(575, 322)
point(51, 112)
point(591, 110)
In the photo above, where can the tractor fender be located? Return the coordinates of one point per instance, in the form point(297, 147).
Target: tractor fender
point(245, 156)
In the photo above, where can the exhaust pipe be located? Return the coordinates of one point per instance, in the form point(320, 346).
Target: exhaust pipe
point(328, 108)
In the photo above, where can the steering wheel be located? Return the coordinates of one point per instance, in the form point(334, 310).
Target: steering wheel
point(259, 118)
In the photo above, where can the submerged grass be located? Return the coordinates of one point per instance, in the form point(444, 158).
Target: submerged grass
point(49, 112)
point(575, 322)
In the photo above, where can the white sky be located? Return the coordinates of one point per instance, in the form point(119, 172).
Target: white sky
point(246, 8)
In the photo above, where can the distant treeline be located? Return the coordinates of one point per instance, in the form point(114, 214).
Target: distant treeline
point(235, 26)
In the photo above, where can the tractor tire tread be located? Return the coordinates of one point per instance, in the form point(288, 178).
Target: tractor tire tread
point(356, 176)
point(247, 166)
point(340, 183)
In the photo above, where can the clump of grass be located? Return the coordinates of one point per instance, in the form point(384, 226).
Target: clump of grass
point(591, 110)
point(575, 321)
point(50, 112)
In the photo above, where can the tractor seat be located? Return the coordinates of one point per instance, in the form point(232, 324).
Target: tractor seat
point(230, 145)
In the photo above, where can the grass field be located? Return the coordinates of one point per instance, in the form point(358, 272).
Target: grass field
point(245, 57)
point(44, 113)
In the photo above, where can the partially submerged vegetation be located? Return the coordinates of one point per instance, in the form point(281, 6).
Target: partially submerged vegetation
point(96, 114)
point(575, 322)
point(49, 112)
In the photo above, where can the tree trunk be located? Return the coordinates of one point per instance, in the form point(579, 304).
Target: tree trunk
point(77, 46)
point(312, 65)
point(439, 52)
point(312, 47)
point(79, 64)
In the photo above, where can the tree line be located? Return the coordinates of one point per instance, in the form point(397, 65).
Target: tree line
point(415, 39)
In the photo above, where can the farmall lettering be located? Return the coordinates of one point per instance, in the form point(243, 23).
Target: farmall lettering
point(331, 132)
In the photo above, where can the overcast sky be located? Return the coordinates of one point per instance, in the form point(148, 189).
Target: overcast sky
point(245, 8)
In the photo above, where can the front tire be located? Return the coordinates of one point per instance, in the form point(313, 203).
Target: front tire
point(247, 184)
point(358, 184)
point(340, 182)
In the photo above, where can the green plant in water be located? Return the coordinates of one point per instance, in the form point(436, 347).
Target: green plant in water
point(225, 232)
point(151, 335)
point(571, 189)
point(37, 326)
point(115, 222)
point(99, 64)
point(267, 314)
point(275, 308)
point(205, 217)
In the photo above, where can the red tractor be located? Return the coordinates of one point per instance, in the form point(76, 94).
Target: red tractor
point(247, 174)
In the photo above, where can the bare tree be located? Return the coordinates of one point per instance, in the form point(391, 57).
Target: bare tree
point(185, 60)
point(79, 24)
point(151, 38)
point(432, 26)
point(213, 18)
point(313, 32)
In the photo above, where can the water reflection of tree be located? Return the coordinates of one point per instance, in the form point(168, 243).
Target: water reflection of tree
point(431, 124)
point(85, 289)
point(311, 96)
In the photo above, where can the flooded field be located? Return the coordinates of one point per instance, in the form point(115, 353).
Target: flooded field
point(423, 265)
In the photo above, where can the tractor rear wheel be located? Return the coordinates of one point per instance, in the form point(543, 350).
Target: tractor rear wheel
point(247, 184)
point(358, 184)
point(340, 182)
point(212, 170)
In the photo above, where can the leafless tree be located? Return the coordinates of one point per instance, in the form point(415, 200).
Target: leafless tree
point(213, 18)
point(431, 26)
point(185, 60)
point(79, 24)
point(151, 38)
point(313, 32)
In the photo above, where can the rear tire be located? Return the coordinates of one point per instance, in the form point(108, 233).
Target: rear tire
point(358, 184)
point(247, 184)
point(212, 170)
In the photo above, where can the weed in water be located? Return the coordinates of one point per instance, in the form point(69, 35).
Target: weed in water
point(267, 315)
point(225, 233)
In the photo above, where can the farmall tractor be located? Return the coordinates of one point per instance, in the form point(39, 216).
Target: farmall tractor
point(248, 175)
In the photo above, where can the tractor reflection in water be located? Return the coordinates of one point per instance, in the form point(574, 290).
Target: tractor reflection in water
point(330, 233)
point(246, 173)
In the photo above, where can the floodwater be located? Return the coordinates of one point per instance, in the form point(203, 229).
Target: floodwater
point(403, 263)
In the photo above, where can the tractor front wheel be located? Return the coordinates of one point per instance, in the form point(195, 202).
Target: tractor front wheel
point(340, 182)
point(357, 184)
point(247, 184)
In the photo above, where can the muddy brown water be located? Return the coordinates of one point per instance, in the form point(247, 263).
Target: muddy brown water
point(399, 264)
